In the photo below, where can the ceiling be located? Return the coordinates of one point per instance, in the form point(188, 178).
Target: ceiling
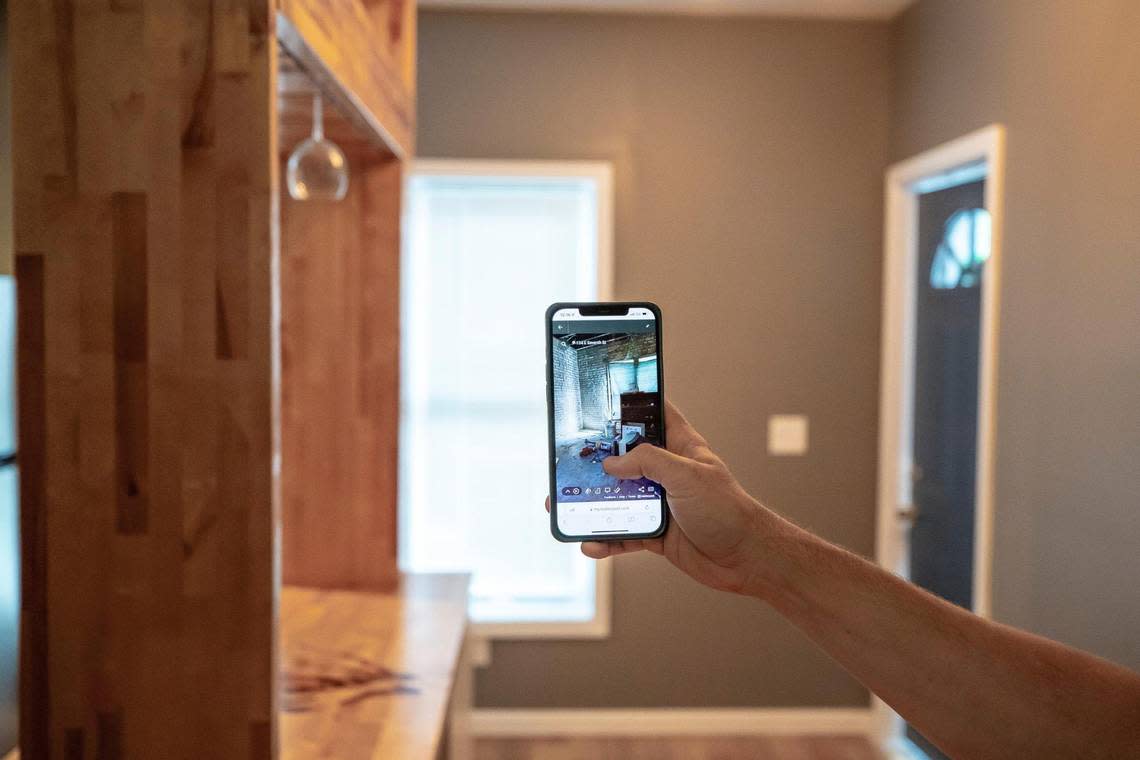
point(849, 9)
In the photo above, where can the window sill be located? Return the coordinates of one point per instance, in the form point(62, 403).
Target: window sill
point(597, 627)
point(585, 629)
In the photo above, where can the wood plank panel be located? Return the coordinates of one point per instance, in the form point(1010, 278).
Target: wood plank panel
point(340, 383)
point(145, 178)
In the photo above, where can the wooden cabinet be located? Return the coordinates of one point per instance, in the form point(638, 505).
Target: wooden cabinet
point(171, 434)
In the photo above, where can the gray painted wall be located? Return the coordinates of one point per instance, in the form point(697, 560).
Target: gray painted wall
point(1065, 79)
point(748, 158)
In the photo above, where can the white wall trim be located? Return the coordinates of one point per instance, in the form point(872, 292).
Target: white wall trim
point(672, 721)
point(968, 158)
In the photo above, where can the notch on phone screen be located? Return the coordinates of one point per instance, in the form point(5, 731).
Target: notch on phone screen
point(605, 381)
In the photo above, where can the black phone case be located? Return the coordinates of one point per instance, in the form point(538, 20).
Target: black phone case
point(550, 418)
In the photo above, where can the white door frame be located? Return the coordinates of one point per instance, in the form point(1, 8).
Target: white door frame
point(980, 154)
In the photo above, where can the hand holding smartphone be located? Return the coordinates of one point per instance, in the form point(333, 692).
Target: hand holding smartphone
point(605, 397)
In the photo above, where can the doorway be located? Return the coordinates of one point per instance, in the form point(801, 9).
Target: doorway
point(938, 380)
point(953, 249)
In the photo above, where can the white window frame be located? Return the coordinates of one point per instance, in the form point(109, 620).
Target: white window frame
point(601, 172)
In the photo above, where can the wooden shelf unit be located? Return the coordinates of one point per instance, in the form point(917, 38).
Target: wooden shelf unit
point(180, 447)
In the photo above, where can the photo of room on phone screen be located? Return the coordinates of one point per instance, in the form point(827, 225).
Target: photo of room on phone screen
point(605, 383)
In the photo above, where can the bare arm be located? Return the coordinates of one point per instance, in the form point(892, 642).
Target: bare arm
point(975, 688)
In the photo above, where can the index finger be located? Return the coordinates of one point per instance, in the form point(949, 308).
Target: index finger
point(680, 436)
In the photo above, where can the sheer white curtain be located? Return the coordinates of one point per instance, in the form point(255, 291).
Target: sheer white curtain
point(483, 258)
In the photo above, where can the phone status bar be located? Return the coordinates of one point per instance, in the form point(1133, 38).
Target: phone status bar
point(581, 326)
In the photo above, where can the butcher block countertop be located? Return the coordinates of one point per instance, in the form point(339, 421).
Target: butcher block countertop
point(370, 675)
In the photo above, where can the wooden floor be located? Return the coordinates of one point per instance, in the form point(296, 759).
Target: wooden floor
point(679, 748)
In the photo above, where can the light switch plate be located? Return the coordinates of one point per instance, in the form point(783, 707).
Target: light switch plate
point(788, 435)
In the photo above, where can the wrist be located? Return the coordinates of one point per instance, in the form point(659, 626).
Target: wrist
point(775, 545)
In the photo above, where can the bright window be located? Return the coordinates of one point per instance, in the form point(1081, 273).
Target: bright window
point(628, 375)
point(647, 374)
point(963, 250)
point(488, 247)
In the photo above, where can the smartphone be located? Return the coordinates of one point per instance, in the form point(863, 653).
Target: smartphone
point(605, 397)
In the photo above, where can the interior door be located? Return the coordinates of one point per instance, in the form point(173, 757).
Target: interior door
point(952, 247)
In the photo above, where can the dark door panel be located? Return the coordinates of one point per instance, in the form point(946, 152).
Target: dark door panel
point(945, 413)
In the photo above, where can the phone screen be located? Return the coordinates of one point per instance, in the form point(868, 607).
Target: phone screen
point(605, 380)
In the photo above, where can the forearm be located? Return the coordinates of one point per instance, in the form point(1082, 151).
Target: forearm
point(976, 688)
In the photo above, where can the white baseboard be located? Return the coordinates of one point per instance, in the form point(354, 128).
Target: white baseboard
point(673, 721)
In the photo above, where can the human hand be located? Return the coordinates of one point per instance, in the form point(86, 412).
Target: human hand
point(715, 532)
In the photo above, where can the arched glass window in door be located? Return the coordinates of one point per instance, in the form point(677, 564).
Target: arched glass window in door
point(963, 250)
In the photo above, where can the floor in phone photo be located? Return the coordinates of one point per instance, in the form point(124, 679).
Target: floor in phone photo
point(679, 748)
point(582, 471)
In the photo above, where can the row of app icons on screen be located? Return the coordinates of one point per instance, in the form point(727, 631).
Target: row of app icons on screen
point(577, 491)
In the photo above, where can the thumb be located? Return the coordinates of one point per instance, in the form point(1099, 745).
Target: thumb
point(675, 473)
